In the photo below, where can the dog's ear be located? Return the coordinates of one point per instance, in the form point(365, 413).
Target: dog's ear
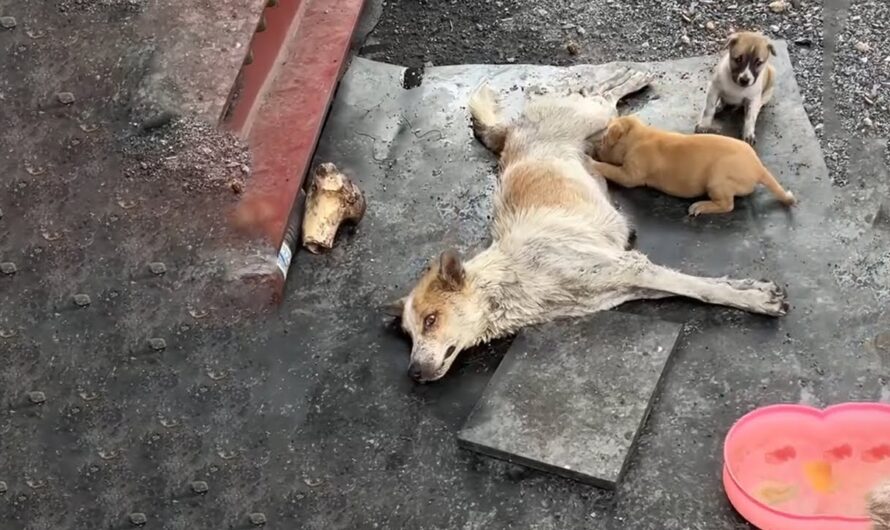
point(772, 49)
point(730, 41)
point(451, 269)
point(395, 308)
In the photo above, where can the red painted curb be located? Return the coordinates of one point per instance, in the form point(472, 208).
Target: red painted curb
point(285, 95)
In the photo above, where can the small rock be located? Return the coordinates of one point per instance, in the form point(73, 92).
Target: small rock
point(7, 22)
point(36, 397)
point(137, 519)
point(257, 518)
point(511, 60)
point(237, 187)
point(867, 122)
point(573, 48)
point(882, 342)
point(863, 47)
point(8, 267)
point(686, 39)
point(775, 28)
point(157, 344)
point(3, 487)
point(710, 26)
point(582, 31)
point(156, 120)
point(779, 6)
point(157, 268)
point(82, 300)
point(428, 64)
point(200, 487)
point(65, 98)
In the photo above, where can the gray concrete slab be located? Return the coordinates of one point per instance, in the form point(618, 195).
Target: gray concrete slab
point(428, 184)
point(570, 397)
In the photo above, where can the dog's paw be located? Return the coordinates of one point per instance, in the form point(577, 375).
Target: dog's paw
point(776, 303)
point(697, 208)
point(762, 296)
point(750, 139)
point(704, 129)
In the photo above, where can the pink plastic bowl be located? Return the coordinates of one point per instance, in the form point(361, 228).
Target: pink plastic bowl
point(791, 467)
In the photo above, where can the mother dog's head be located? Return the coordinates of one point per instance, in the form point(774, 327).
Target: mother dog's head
point(443, 315)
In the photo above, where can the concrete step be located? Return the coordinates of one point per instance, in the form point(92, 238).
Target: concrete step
point(279, 106)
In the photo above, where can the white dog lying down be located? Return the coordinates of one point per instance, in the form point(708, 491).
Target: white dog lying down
point(559, 249)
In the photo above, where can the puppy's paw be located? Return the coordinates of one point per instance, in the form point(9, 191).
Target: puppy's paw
point(750, 139)
point(697, 208)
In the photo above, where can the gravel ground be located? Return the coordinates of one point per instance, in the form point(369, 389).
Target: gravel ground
point(860, 82)
point(564, 32)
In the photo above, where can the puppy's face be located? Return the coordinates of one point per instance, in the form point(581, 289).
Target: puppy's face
point(441, 317)
point(748, 55)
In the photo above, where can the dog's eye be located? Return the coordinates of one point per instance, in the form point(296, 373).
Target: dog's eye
point(739, 59)
point(429, 322)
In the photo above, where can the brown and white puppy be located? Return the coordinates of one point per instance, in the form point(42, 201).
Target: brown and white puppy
point(683, 165)
point(743, 77)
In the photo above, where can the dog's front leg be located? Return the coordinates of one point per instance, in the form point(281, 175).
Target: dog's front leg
point(752, 111)
point(755, 296)
point(706, 121)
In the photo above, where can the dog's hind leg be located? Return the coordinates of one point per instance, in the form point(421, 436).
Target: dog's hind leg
point(756, 296)
point(488, 125)
point(621, 84)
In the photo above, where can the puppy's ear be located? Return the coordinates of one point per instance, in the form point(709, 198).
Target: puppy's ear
point(616, 129)
point(451, 270)
point(395, 308)
point(772, 49)
point(730, 41)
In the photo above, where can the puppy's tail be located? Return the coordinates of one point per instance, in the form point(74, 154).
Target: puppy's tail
point(488, 126)
point(768, 180)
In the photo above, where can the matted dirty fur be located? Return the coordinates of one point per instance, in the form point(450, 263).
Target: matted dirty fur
point(559, 247)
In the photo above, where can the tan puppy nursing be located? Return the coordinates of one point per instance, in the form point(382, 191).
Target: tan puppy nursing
point(632, 154)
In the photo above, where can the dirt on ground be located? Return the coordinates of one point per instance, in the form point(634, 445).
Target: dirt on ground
point(114, 242)
point(120, 346)
point(86, 175)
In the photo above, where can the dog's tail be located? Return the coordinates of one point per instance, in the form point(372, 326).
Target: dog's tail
point(768, 180)
point(488, 126)
point(879, 506)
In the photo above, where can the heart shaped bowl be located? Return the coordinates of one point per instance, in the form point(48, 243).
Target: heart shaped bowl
point(792, 467)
